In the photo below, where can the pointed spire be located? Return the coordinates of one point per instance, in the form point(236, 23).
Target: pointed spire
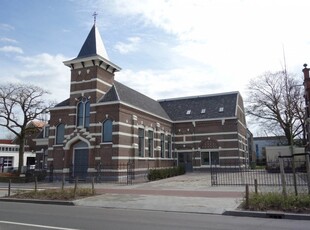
point(93, 44)
point(93, 52)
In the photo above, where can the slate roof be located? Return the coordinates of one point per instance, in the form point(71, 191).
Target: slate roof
point(63, 103)
point(177, 108)
point(93, 45)
point(174, 109)
point(120, 92)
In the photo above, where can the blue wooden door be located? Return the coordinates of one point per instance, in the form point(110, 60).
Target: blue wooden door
point(80, 163)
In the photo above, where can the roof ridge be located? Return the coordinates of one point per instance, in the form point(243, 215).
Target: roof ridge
point(198, 96)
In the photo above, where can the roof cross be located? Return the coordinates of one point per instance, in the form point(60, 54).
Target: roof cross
point(95, 15)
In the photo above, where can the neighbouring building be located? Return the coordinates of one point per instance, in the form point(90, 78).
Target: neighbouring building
point(251, 149)
point(106, 123)
point(9, 157)
point(261, 143)
point(9, 149)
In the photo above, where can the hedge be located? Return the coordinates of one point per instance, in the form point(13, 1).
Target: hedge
point(158, 174)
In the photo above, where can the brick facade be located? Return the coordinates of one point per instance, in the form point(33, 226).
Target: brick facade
point(193, 142)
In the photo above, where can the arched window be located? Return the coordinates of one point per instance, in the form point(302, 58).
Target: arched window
point(107, 131)
point(83, 113)
point(87, 114)
point(80, 114)
point(60, 134)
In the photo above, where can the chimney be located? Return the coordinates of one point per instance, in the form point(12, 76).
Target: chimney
point(306, 79)
point(306, 72)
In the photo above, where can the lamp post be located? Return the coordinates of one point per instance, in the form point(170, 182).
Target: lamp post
point(307, 120)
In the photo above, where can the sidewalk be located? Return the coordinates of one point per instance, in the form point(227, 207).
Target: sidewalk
point(191, 192)
point(187, 193)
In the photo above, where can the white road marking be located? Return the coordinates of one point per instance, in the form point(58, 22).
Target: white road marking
point(36, 225)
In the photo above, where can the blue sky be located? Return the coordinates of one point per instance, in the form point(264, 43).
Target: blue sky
point(166, 48)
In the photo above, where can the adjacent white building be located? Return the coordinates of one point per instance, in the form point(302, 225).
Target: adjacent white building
point(9, 158)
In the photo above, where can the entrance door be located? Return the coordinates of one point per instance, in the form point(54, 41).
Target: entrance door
point(185, 159)
point(80, 163)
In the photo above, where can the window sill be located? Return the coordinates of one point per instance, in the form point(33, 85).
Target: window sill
point(106, 143)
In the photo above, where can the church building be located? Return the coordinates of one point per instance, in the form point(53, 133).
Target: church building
point(105, 123)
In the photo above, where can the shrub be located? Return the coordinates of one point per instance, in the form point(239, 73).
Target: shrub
point(158, 174)
point(55, 194)
point(278, 202)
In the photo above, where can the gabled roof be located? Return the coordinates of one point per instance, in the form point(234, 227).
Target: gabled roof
point(120, 92)
point(201, 107)
point(93, 45)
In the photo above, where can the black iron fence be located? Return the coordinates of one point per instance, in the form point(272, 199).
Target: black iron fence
point(270, 175)
point(120, 173)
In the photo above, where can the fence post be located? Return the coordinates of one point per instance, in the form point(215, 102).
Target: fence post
point(247, 196)
point(75, 186)
point(294, 176)
point(35, 184)
point(9, 189)
point(51, 172)
point(255, 186)
point(93, 185)
point(63, 182)
point(283, 182)
point(308, 171)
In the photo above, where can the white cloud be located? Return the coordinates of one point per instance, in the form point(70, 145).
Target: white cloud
point(9, 40)
point(230, 41)
point(159, 84)
point(4, 26)
point(11, 49)
point(46, 71)
point(130, 46)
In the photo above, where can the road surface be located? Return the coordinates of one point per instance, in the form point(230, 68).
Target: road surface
point(17, 216)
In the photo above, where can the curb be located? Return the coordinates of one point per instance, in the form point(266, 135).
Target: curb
point(268, 214)
point(55, 202)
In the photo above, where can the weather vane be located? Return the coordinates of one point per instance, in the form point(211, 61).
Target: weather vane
point(95, 15)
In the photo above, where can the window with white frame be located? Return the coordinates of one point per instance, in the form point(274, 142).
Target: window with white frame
point(60, 134)
point(210, 158)
point(107, 130)
point(83, 113)
point(8, 161)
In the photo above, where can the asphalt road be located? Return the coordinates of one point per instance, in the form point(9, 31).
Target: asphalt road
point(17, 216)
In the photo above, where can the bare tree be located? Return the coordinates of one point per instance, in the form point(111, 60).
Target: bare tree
point(276, 100)
point(20, 104)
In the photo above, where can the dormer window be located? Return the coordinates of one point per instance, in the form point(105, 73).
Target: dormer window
point(221, 109)
point(188, 112)
point(203, 110)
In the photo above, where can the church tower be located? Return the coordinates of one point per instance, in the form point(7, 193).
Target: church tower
point(92, 73)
